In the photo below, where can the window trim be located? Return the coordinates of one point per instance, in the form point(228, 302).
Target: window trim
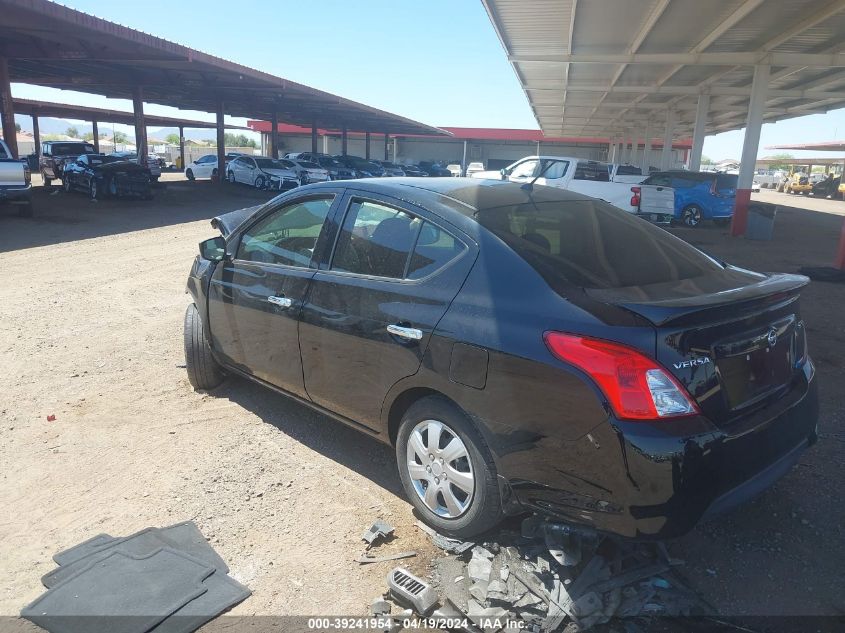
point(351, 196)
point(261, 216)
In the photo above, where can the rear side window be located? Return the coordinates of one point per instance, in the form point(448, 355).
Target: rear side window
point(594, 245)
point(726, 181)
point(628, 170)
point(375, 240)
point(434, 249)
point(592, 171)
point(287, 236)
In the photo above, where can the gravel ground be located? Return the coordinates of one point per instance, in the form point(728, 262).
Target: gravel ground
point(92, 300)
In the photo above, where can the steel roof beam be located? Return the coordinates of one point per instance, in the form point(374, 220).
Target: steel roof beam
point(808, 60)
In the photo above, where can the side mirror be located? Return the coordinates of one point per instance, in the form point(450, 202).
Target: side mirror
point(504, 173)
point(214, 249)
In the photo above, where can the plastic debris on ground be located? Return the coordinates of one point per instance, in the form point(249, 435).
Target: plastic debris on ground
point(554, 577)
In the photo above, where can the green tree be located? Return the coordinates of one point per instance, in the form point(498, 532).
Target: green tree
point(706, 160)
point(121, 137)
point(238, 140)
point(172, 139)
point(72, 132)
point(782, 161)
point(88, 136)
point(17, 127)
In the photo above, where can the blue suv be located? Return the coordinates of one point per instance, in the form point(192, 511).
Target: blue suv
point(699, 195)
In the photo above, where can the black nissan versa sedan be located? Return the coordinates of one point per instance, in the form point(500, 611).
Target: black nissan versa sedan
point(522, 348)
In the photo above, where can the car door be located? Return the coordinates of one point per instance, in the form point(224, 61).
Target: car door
point(255, 297)
point(372, 307)
point(524, 171)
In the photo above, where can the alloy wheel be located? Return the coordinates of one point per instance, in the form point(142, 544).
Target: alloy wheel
point(440, 469)
point(231, 177)
point(92, 190)
point(692, 216)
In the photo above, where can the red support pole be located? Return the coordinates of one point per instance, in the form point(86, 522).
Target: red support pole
point(740, 219)
point(840, 255)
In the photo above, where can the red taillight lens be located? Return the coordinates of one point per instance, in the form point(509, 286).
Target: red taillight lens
point(636, 386)
point(635, 199)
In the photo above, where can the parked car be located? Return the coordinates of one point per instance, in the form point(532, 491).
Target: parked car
point(152, 162)
point(306, 170)
point(474, 168)
point(101, 175)
point(15, 182)
point(755, 187)
point(699, 196)
point(335, 169)
point(454, 170)
point(827, 187)
point(434, 169)
point(362, 167)
point(522, 350)
point(414, 171)
point(592, 178)
point(390, 169)
point(203, 167)
point(261, 172)
point(54, 155)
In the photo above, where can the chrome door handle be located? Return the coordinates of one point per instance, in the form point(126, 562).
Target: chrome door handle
point(282, 302)
point(405, 332)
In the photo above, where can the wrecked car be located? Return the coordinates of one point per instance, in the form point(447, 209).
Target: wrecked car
point(521, 347)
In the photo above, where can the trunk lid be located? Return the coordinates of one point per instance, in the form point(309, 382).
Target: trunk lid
point(734, 347)
point(657, 199)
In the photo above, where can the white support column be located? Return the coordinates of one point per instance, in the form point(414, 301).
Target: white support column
point(611, 150)
point(635, 149)
point(644, 164)
point(619, 150)
point(698, 132)
point(666, 154)
point(750, 146)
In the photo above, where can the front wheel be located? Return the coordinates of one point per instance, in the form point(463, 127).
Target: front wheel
point(203, 371)
point(691, 215)
point(447, 470)
point(260, 182)
point(231, 177)
point(93, 189)
point(189, 174)
point(66, 184)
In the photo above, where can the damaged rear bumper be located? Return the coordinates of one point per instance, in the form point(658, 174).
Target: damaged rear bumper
point(658, 480)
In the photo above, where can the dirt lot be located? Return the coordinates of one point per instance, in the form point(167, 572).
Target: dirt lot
point(92, 301)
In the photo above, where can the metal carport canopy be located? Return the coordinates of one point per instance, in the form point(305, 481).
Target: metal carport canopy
point(48, 44)
point(103, 115)
point(605, 67)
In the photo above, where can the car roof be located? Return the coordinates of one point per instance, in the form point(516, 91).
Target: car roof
point(473, 194)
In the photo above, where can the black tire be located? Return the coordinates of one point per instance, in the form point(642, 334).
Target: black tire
point(66, 184)
point(692, 215)
point(485, 507)
point(203, 371)
point(46, 180)
point(260, 182)
point(231, 177)
point(189, 174)
point(93, 189)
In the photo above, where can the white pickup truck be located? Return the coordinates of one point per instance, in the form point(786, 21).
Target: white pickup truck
point(612, 183)
point(15, 185)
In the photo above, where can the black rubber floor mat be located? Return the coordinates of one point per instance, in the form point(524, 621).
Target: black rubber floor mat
point(121, 594)
point(223, 594)
point(184, 537)
point(83, 549)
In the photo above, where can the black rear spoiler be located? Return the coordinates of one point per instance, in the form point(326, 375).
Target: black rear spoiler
point(684, 304)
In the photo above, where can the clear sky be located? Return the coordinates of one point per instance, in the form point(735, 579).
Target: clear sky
point(437, 61)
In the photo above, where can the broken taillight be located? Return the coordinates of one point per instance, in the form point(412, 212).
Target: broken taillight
point(636, 386)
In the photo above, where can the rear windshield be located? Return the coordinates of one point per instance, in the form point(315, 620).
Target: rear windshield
point(71, 149)
point(628, 170)
point(594, 245)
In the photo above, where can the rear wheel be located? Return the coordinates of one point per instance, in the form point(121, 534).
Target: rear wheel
point(203, 371)
point(46, 180)
point(189, 174)
point(447, 470)
point(691, 215)
point(231, 177)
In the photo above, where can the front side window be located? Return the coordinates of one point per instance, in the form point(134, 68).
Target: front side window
point(287, 236)
point(557, 169)
point(375, 240)
point(525, 169)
